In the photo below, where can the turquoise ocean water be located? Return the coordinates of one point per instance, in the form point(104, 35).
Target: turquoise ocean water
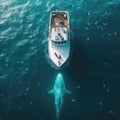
point(26, 73)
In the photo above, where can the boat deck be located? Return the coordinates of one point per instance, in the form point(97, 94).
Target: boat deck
point(59, 19)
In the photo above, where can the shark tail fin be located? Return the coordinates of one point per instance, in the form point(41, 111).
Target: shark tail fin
point(51, 91)
point(67, 91)
point(57, 115)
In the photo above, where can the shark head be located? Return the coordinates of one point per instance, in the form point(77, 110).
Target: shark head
point(59, 86)
point(59, 81)
point(59, 76)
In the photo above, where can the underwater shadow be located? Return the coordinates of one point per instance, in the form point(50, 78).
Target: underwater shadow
point(80, 64)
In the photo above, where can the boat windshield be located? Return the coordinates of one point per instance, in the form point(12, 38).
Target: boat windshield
point(56, 42)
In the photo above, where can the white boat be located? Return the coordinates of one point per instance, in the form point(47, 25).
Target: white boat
point(59, 38)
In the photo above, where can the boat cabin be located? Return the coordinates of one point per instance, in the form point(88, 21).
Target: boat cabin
point(59, 27)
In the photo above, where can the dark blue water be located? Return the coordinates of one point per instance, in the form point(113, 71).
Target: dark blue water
point(26, 73)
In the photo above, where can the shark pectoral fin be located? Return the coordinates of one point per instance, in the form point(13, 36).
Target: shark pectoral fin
point(67, 92)
point(51, 91)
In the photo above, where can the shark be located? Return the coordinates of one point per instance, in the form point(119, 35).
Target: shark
point(59, 91)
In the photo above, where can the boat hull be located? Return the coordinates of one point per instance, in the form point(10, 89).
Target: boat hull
point(59, 50)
